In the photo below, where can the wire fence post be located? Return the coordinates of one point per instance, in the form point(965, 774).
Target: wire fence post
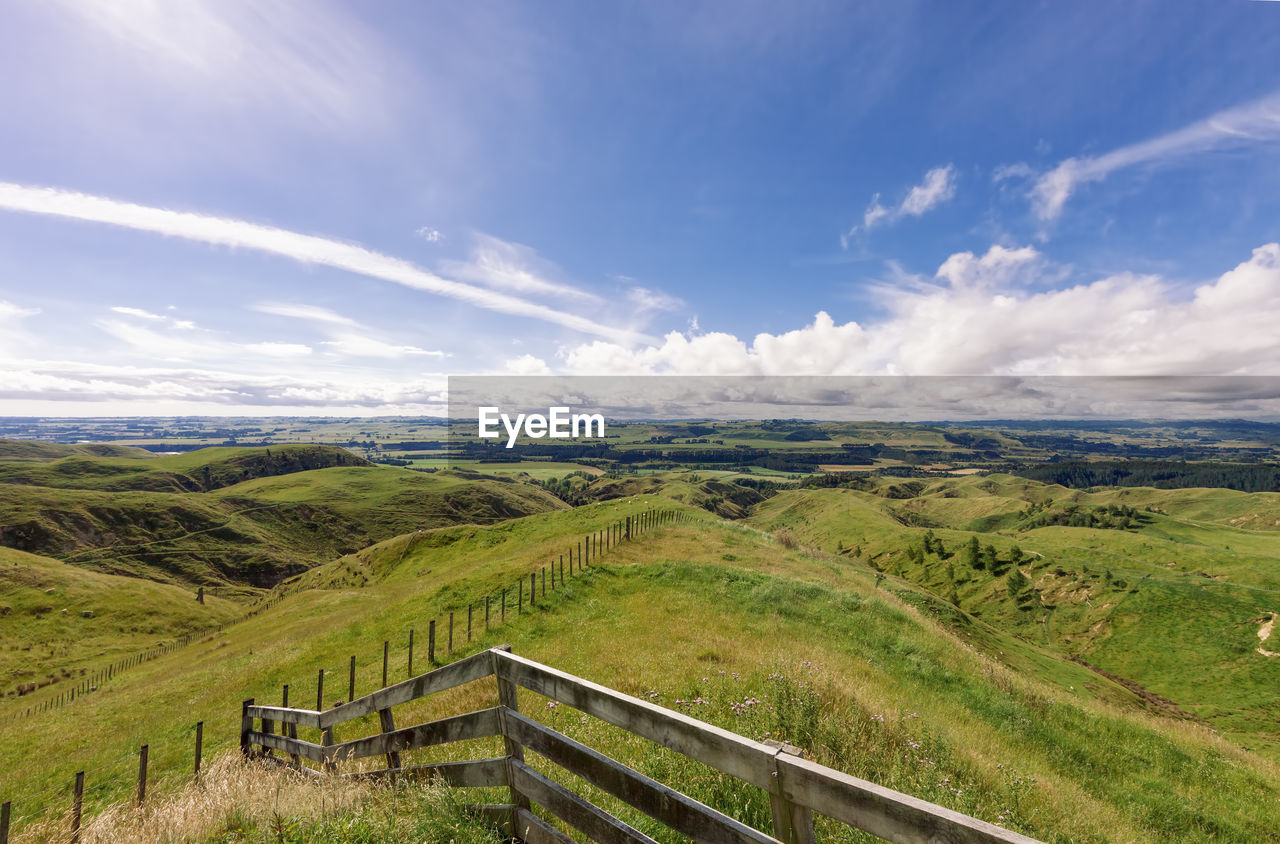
point(199, 747)
point(431, 642)
point(410, 651)
point(77, 805)
point(142, 775)
point(320, 691)
point(450, 632)
point(351, 680)
point(4, 821)
point(386, 654)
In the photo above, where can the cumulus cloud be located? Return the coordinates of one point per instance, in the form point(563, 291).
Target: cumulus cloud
point(938, 186)
point(1252, 123)
point(299, 247)
point(526, 365)
point(985, 314)
point(429, 234)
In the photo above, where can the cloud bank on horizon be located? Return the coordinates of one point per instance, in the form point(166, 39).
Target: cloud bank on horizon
point(501, 194)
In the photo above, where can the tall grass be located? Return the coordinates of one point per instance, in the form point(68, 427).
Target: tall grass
point(236, 800)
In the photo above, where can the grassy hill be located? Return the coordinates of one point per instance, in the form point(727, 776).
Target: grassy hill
point(57, 621)
point(195, 471)
point(875, 676)
point(1172, 604)
point(30, 450)
point(241, 517)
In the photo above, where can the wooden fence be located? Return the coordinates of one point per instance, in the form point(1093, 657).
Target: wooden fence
point(481, 615)
point(796, 787)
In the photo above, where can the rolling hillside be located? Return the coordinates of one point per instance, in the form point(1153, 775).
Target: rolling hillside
point(875, 677)
point(1172, 602)
point(234, 517)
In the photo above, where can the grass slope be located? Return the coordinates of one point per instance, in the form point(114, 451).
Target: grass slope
point(243, 517)
point(721, 620)
point(1172, 604)
point(43, 621)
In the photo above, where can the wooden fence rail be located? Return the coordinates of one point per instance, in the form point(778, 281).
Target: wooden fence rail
point(796, 787)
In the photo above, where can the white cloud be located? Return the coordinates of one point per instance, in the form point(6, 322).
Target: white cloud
point(938, 186)
point(139, 313)
point(286, 57)
point(977, 316)
point(647, 299)
point(300, 247)
point(359, 345)
point(10, 312)
point(526, 365)
point(279, 350)
point(429, 234)
point(314, 313)
point(502, 265)
point(1252, 123)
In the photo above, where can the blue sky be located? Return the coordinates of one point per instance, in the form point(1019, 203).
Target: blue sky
point(307, 207)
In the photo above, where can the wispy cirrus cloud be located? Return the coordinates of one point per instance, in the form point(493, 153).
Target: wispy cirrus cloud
point(312, 313)
point(503, 265)
point(309, 249)
point(937, 187)
point(1252, 123)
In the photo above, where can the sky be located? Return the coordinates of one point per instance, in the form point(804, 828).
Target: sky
point(230, 207)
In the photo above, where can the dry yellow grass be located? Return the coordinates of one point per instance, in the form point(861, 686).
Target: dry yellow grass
point(232, 793)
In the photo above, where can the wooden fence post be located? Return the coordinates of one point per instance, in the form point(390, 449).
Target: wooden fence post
point(291, 730)
point(627, 533)
point(504, 606)
point(142, 775)
point(792, 824)
point(431, 642)
point(411, 652)
point(544, 582)
point(388, 725)
point(246, 724)
point(386, 653)
point(450, 632)
point(533, 589)
point(486, 613)
point(470, 607)
point(351, 680)
point(199, 747)
point(4, 821)
point(320, 691)
point(562, 569)
point(77, 805)
point(508, 700)
point(520, 596)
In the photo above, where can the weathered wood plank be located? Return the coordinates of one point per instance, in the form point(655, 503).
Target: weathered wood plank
point(587, 818)
point(297, 747)
point(678, 811)
point(305, 717)
point(882, 811)
point(457, 673)
point(532, 829)
point(475, 773)
point(479, 724)
point(725, 751)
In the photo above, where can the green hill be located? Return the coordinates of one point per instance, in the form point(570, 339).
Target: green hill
point(733, 626)
point(1172, 603)
point(202, 470)
point(31, 450)
point(245, 517)
point(56, 620)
